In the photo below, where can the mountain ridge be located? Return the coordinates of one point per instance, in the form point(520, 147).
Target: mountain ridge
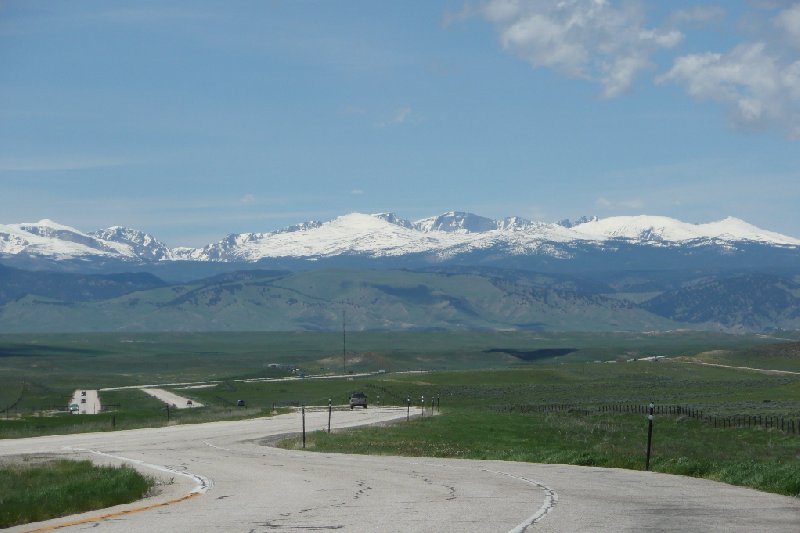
point(436, 299)
point(435, 239)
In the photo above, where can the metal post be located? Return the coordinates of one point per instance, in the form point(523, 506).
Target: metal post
point(408, 409)
point(303, 411)
point(649, 436)
point(422, 404)
point(330, 409)
point(344, 344)
point(167, 412)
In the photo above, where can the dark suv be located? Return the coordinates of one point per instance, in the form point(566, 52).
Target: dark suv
point(358, 398)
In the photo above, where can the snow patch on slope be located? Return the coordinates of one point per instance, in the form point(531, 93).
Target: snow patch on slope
point(645, 228)
point(387, 235)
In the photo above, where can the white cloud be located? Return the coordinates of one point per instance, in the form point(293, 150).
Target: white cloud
point(698, 14)
point(758, 86)
point(248, 199)
point(586, 39)
point(603, 203)
point(400, 116)
point(357, 192)
point(789, 21)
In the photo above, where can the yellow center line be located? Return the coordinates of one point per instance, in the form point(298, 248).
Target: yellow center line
point(115, 514)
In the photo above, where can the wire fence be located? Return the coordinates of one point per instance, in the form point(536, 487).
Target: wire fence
point(776, 422)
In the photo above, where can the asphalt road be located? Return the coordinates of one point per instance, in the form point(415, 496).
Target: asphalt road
point(240, 485)
point(87, 400)
point(170, 398)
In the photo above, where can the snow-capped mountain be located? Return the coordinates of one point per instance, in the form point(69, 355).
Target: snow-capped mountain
point(453, 236)
point(56, 241)
point(143, 245)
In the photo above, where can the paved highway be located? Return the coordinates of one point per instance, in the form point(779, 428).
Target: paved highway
point(88, 402)
point(236, 484)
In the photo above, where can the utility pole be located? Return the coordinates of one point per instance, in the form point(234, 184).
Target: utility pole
point(649, 434)
point(344, 344)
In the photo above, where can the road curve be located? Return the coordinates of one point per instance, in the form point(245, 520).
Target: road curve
point(220, 477)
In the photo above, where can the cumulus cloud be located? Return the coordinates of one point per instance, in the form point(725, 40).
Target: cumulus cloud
point(758, 86)
point(585, 39)
point(788, 20)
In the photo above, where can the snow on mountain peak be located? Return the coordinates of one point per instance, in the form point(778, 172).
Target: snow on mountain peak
point(394, 219)
point(387, 235)
point(457, 222)
point(650, 228)
point(142, 245)
point(51, 239)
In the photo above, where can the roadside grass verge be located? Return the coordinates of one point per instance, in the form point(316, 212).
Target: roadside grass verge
point(761, 459)
point(64, 424)
point(40, 491)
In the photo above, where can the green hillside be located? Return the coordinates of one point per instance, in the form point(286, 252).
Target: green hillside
point(316, 300)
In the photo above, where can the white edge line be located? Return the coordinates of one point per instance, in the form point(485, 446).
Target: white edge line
point(549, 503)
point(203, 484)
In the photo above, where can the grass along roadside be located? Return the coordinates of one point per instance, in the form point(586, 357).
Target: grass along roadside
point(32, 492)
point(680, 445)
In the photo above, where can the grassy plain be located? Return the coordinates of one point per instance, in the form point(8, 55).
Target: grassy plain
point(491, 386)
point(51, 366)
point(31, 492)
point(496, 415)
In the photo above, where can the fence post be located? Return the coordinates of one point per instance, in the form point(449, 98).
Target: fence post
point(649, 436)
point(303, 412)
point(422, 404)
point(330, 409)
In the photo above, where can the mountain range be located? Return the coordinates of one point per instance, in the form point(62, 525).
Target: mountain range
point(452, 271)
point(387, 241)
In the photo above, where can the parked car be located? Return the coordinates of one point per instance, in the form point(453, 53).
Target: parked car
point(358, 398)
point(188, 402)
point(239, 403)
point(74, 407)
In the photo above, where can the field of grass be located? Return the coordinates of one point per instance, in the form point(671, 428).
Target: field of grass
point(50, 367)
point(500, 415)
point(492, 387)
point(31, 492)
point(784, 357)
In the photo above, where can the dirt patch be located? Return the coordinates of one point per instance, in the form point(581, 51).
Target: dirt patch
point(29, 459)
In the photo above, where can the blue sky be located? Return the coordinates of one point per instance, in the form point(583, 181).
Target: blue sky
point(192, 120)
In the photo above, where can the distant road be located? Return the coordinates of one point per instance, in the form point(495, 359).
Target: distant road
point(87, 400)
point(761, 370)
point(170, 398)
point(224, 479)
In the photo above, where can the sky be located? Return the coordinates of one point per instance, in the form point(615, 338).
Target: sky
point(193, 120)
